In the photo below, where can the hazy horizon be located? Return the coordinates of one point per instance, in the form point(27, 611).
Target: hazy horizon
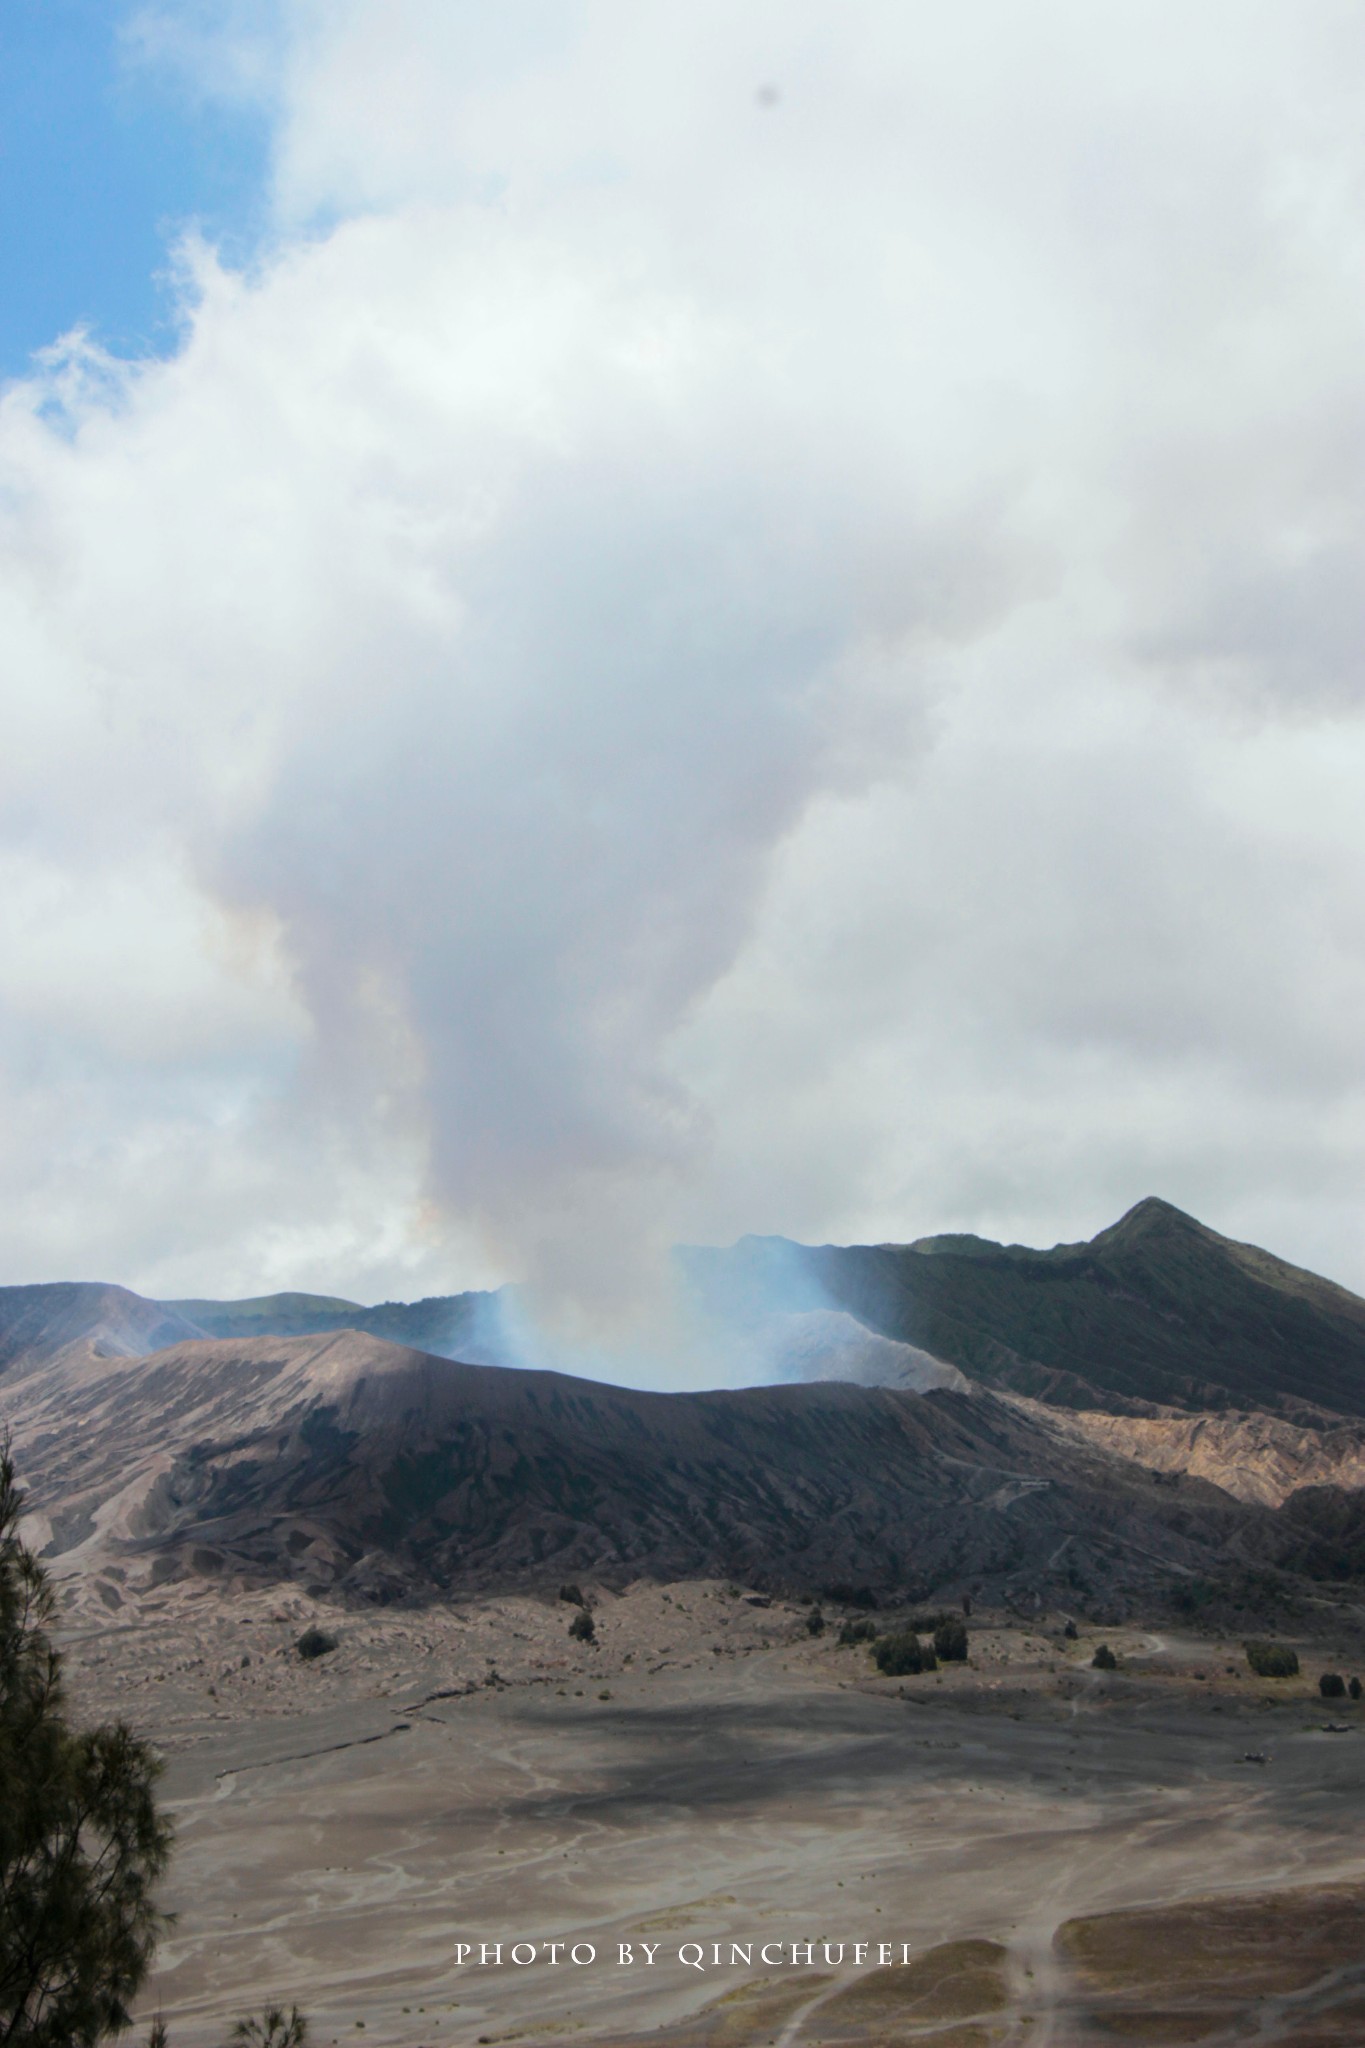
point(457, 1287)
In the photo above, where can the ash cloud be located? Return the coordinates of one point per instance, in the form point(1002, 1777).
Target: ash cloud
point(660, 666)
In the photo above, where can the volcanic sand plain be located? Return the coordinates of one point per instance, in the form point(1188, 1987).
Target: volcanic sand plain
point(1171, 1853)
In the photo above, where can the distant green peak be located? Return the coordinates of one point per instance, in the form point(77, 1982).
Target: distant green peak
point(259, 1305)
point(959, 1242)
point(1149, 1216)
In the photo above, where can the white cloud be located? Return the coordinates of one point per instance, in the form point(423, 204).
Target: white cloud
point(746, 622)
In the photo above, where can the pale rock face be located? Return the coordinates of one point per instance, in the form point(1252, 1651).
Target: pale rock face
point(1256, 1458)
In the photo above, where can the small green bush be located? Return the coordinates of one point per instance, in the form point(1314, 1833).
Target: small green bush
point(899, 1654)
point(1272, 1660)
point(315, 1642)
point(1332, 1685)
point(573, 1594)
point(1104, 1659)
point(1071, 1631)
point(583, 1628)
point(950, 1641)
point(858, 1632)
point(1354, 1688)
point(815, 1622)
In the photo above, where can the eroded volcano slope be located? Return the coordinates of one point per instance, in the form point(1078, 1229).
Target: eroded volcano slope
point(348, 1463)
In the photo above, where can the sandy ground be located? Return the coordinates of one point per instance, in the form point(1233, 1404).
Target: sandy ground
point(708, 1773)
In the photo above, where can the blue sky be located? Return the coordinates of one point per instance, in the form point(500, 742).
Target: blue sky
point(103, 162)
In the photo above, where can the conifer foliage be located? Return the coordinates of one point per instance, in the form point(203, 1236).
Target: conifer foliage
point(82, 1843)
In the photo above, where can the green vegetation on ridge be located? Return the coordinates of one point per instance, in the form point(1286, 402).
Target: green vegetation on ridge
point(265, 1313)
point(1157, 1308)
point(437, 1324)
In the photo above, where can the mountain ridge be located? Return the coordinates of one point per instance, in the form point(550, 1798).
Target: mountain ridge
point(45, 1321)
point(1155, 1309)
